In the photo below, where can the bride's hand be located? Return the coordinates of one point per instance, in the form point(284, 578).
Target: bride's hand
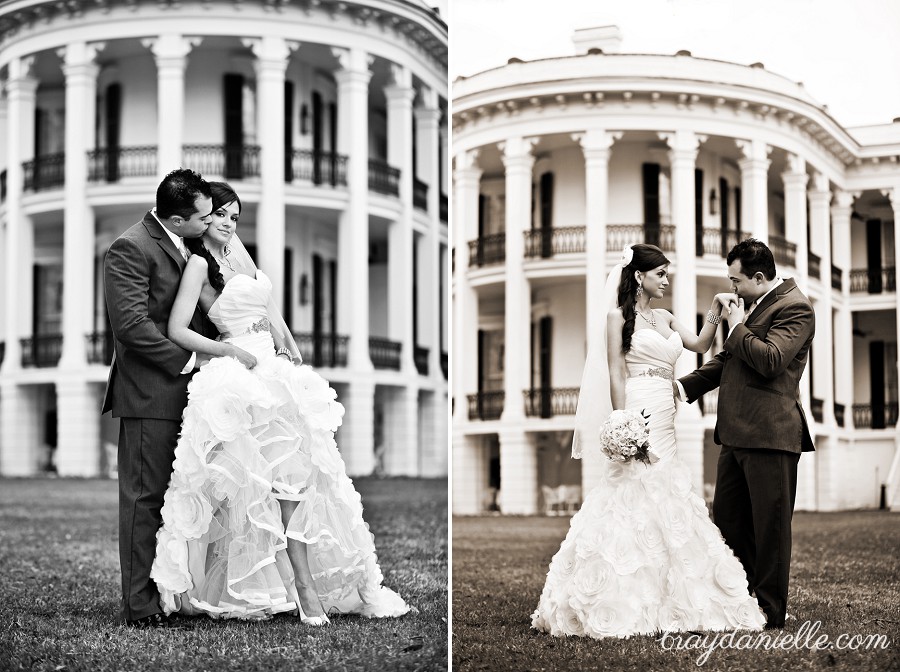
point(727, 300)
point(243, 356)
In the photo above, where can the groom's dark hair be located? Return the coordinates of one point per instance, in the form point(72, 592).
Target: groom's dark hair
point(178, 191)
point(755, 257)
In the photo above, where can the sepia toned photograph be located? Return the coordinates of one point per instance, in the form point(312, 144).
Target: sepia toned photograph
point(674, 335)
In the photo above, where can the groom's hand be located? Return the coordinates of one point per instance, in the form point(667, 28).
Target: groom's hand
point(736, 316)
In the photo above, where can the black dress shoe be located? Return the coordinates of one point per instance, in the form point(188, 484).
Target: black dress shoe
point(151, 621)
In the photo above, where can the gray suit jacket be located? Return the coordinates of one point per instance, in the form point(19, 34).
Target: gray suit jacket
point(758, 375)
point(141, 272)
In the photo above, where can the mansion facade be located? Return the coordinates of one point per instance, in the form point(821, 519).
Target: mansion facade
point(328, 119)
point(561, 162)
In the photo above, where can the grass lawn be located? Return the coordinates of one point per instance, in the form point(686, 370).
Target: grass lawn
point(59, 591)
point(845, 572)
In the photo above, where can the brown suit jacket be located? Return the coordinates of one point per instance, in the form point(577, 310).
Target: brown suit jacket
point(141, 272)
point(758, 375)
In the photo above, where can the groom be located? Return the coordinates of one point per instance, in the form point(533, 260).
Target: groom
point(147, 386)
point(761, 425)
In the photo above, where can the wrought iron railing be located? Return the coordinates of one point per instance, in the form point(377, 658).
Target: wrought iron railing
point(620, 235)
point(487, 250)
point(485, 405)
point(814, 265)
point(100, 347)
point(420, 357)
point(385, 354)
point(547, 243)
point(3, 352)
point(839, 410)
point(233, 162)
point(837, 278)
point(2, 185)
point(549, 402)
point(317, 167)
point(445, 363)
point(818, 409)
point(873, 281)
point(717, 242)
point(45, 172)
point(880, 416)
point(322, 349)
point(110, 164)
point(41, 351)
point(420, 194)
point(784, 251)
point(384, 178)
point(709, 403)
point(444, 203)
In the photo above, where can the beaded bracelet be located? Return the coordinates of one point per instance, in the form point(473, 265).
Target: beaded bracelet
point(712, 318)
point(284, 351)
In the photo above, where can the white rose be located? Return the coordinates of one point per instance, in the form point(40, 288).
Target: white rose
point(568, 621)
point(623, 555)
point(692, 558)
point(593, 578)
point(678, 617)
point(315, 399)
point(677, 522)
point(650, 540)
point(325, 456)
point(613, 618)
point(226, 414)
point(170, 566)
point(189, 513)
point(211, 378)
point(730, 577)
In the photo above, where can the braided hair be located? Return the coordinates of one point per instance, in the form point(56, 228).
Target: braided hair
point(222, 195)
point(645, 258)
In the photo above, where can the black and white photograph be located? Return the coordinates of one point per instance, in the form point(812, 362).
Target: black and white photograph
point(674, 335)
point(224, 335)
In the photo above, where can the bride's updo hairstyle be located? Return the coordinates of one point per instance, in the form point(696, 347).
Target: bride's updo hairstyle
point(644, 258)
point(222, 195)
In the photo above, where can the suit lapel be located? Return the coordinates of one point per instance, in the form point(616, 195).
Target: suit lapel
point(156, 231)
point(770, 299)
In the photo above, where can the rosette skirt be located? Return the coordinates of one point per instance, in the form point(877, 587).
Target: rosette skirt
point(248, 440)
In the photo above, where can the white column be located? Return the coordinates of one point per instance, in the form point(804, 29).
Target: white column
point(469, 474)
point(400, 95)
point(755, 188)
point(4, 309)
point(823, 344)
point(518, 471)
point(20, 94)
point(357, 433)
point(519, 161)
point(19, 424)
point(272, 56)
point(78, 449)
point(401, 435)
point(597, 147)
point(894, 195)
point(466, 185)
point(843, 321)
point(170, 51)
point(795, 180)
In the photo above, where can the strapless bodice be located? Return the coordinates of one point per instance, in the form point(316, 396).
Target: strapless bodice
point(242, 305)
point(651, 350)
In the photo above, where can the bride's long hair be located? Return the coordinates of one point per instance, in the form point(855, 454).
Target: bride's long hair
point(646, 258)
point(222, 195)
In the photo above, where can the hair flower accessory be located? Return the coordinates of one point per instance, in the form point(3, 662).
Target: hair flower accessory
point(627, 255)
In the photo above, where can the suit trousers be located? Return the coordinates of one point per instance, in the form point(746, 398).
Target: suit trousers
point(146, 454)
point(753, 506)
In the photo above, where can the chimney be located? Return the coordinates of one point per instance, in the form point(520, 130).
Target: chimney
point(607, 39)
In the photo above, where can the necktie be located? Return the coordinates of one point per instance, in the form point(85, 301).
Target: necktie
point(183, 249)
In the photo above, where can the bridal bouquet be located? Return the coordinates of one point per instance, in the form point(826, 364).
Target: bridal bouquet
point(625, 437)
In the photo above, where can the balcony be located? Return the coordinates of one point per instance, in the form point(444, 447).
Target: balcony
point(785, 252)
point(867, 416)
point(818, 409)
point(546, 243)
point(420, 357)
point(385, 354)
point(620, 235)
point(322, 349)
point(100, 347)
point(45, 172)
point(41, 351)
point(113, 163)
point(485, 405)
point(233, 162)
point(317, 167)
point(443, 202)
point(445, 362)
point(873, 281)
point(549, 402)
point(383, 178)
point(487, 250)
point(839, 410)
point(837, 281)
point(717, 242)
point(814, 264)
point(420, 195)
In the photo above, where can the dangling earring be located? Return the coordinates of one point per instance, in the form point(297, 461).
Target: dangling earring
point(640, 292)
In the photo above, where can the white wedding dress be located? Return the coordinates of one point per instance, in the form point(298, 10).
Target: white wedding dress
point(248, 439)
point(642, 555)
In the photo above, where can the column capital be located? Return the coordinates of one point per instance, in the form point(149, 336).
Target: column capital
point(19, 80)
point(352, 60)
point(596, 143)
point(683, 145)
point(429, 116)
point(467, 168)
point(80, 58)
point(171, 49)
point(516, 153)
point(755, 151)
point(844, 199)
point(794, 181)
point(893, 195)
point(399, 95)
point(401, 76)
point(821, 185)
point(272, 53)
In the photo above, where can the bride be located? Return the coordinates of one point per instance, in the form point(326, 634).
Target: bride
point(642, 555)
point(259, 516)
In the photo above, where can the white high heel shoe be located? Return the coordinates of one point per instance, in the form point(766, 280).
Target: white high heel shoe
point(315, 621)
